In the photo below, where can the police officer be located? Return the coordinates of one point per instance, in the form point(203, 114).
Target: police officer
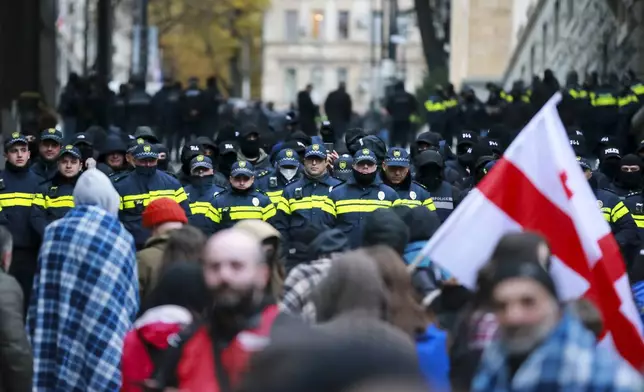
point(48, 149)
point(18, 186)
point(143, 185)
point(192, 102)
point(464, 157)
point(146, 133)
point(55, 198)
point(250, 149)
point(85, 145)
point(227, 157)
point(201, 193)
point(396, 174)
point(629, 177)
point(401, 106)
point(618, 216)
point(363, 193)
point(286, 169)
point(305, 201)
point(242, 200)
point(342, 167)
point(429, 173)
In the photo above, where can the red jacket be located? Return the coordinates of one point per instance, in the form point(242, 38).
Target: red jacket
point(154, 326)
point(196, 369)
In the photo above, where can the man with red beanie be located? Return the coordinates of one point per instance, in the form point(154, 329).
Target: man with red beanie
point(160, 216)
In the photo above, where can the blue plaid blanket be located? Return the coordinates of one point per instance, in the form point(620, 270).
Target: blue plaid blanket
point(568, 360)
point(84, 301)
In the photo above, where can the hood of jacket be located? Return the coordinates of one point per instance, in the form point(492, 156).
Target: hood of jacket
point(85, 191)
point(262, 157)
point(158, 323)
point(352, 287)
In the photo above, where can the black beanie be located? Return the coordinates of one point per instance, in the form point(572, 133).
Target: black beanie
point(506, 269)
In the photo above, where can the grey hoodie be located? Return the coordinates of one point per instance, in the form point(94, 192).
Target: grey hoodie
point(94, 188)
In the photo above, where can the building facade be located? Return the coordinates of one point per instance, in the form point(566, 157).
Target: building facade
point(325, 42)
point(480, 41)
point(603, 36)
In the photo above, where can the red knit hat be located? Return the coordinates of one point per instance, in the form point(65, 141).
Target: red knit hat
point(162, 211)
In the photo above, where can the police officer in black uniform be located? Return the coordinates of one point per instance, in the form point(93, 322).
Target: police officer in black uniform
point(55, 198)
point(18, 187)
point(429, 173)
point(48, 149)
point(201, 193)
point(342, 167)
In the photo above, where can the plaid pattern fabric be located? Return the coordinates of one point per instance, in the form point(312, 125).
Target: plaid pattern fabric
point(298, 286)
point(84, 301)
point(568, 360)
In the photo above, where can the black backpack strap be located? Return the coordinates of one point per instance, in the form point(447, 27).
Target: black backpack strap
point(165, 373)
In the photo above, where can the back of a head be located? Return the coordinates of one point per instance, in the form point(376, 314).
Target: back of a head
point(95, 188)
point(402, 309)
point(352, 286)
point(421, 222)
point(180, 284)
point(384, 227)
point(184, 244)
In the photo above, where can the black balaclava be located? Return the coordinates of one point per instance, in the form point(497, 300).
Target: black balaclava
point(610, 167)
point(163, 164)
point(250, 148)
point(86, 150)
point(226, 162)
point(632, 180)
point(430, 175)
point(364, 179)
point(146, 171)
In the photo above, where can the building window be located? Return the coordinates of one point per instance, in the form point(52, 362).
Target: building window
point(290, 84)
point(317, 77)
point(343, 25)
point(532, 53)
point(70, 8)
point(571, 9)
point(376, 27)
point(343, 75)
point(556, 22)
point(544, 44)
point(317, 25)
point(291, 25)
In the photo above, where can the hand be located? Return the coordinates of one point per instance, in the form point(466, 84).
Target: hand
point(90, 163)
point(331, 157)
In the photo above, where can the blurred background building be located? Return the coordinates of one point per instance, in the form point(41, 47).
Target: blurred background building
point(325, 42)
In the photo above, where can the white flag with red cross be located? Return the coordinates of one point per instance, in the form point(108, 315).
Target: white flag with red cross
point(538, 186)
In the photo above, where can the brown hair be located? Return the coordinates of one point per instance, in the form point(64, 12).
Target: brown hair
point(184, 244)
point(403, 311)
point(589, 315)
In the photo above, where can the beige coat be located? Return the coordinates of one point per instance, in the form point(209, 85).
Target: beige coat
point(148, 261)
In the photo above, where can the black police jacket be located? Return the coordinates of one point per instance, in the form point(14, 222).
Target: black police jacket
point(201, 195)
point(17, 191)
point(52, 201)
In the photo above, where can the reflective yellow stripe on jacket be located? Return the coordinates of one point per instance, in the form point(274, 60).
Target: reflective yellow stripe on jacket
point(59, 202)
point(131, 201)
point(16, 199)
point(205, 208)
point(639, 220)
point(432, 106)
point(429, 203)
point(250, 212)
point(612, 216)
point(275, 195)
point(359, 205)
point(603, 100)
point(306, 203)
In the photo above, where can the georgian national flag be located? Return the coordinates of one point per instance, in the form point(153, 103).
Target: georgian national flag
point(538, 186)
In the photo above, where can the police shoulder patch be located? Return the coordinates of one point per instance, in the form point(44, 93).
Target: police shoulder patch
point(262, 173)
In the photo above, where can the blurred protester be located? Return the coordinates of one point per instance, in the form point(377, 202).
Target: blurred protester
point(167, 112)
point(384, 227)
point(184, 244)
point(88, 260)
point(192, 104)
point(161, 216)
point(213, 354)
point(535, 333)
point(111, 157)
point(352, 299)
point(71, 104)
point(271, 243)
point(212, 99)
point(180, 298)
point(139, 106)
point(323, 247)
point(308, 111)
point(405, 313)
point(401, 105)
point(338, 109)
point(16, 361)
point(333, 364)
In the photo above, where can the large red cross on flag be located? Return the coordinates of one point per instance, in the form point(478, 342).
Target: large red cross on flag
point(538, 186)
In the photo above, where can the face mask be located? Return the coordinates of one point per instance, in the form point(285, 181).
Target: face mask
point(610, 168)
point(201, 182)
point(145, 170)
point(364, 179)
point(163, 164)
point(630, 180)
point(288, 173)
point(430, 176)
point(250, 148)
